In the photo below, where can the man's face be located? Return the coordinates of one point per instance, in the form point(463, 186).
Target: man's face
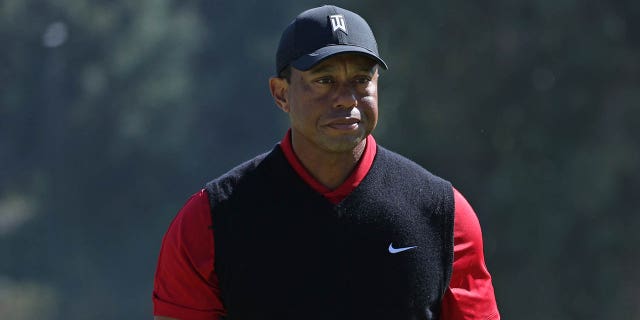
point(334, 105)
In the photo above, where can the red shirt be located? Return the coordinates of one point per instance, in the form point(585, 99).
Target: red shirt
point(186, 285)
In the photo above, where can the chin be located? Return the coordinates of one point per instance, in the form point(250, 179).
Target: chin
point(343, 144)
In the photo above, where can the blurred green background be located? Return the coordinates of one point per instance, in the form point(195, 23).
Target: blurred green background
point(112, 113)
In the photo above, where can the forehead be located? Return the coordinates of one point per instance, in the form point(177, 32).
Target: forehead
point(349, 60)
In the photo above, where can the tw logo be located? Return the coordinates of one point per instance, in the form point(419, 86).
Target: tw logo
point(337, 23)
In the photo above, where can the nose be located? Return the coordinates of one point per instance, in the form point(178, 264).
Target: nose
point(346, 96)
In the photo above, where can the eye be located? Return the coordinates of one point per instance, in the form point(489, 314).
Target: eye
point(324, 80)
point(363, 80)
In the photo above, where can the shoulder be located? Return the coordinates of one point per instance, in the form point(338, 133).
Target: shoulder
point(385, 155)
point(467, 233)
point(185, 285)
point(402, 164)
point(191, 223)
point(220, 187)
point(188, 242)
point(405, 172)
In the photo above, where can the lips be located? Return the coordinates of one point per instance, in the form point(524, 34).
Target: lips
point(343, 123)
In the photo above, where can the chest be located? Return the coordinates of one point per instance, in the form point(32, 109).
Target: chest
point(282, 251)
point(378, 256)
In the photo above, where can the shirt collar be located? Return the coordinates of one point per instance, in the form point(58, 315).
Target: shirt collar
point(358, 174)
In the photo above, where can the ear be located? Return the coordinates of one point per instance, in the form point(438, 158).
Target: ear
point(279, 87)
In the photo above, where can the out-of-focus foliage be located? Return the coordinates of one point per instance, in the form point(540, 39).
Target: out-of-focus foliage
point(112, 113)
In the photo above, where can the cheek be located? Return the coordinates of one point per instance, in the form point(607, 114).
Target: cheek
point(370, 104)
point(302, 112)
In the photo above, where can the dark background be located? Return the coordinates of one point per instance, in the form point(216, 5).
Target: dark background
point(112, 113)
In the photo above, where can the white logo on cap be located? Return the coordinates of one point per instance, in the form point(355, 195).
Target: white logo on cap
point(337, 22)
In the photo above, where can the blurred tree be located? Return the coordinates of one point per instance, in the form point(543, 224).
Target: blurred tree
point(89, 99)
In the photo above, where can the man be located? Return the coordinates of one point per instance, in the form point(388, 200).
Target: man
point(328, 224)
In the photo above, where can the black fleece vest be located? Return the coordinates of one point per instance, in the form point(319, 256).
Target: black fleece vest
point(282, 251)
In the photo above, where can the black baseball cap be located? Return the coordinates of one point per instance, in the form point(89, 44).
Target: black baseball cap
point(319, 33)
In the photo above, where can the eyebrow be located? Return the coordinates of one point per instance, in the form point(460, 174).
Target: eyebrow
point(322, 68)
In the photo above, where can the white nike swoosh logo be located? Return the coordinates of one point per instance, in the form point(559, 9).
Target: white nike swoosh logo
point(396, 250)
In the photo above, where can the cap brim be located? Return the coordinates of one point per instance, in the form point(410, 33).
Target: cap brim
point(307, 61)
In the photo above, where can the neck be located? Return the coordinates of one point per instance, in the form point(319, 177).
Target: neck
point(330, 168)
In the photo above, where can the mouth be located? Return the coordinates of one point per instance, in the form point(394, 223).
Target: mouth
point(344, 123)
